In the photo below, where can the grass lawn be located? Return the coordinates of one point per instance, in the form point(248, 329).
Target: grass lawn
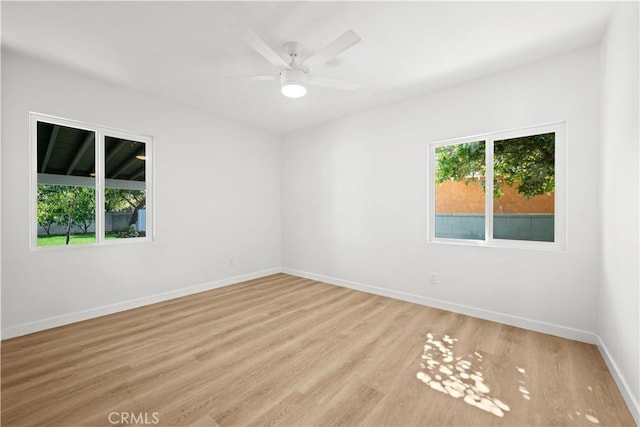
point(76, 239)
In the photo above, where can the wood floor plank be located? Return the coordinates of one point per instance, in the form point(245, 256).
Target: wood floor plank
point(287, 351)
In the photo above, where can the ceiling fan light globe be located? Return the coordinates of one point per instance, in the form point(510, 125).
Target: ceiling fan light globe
point(293, 90)
point(293, 83)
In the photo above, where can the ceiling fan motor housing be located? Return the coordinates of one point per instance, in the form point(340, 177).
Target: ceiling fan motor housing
point(293, 76)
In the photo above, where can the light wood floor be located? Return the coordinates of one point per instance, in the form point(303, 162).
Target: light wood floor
point(289, 351)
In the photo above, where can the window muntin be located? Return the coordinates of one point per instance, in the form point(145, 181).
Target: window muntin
point(519, 174)
point(84, 176)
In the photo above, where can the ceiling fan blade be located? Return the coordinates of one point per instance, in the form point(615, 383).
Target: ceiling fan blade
point(332, 83)
point(263, 48)
point(333, 49)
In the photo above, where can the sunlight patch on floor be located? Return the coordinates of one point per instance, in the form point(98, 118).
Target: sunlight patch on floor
point(522, 387)
point(588, 416)
point(456, 376)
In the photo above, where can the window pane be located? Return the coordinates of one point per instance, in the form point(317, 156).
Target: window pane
point(125, 188)
point(524, 185)
point(459, 192)
point(66, 185)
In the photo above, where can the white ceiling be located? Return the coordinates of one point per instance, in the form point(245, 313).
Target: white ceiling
point(183, 51)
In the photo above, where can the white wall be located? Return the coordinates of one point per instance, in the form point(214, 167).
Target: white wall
point(229, 174)
point(619, 296)
point(355, 200)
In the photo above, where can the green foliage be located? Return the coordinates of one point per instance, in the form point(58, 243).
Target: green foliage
point(119, 200)
point(84, 211)
point(527, 162)
point(462, 162)
point(127, 232)
point(66, 206)
point(46, 207)
point(113, 202)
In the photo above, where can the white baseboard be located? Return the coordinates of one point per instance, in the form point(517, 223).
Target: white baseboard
point(65, 319)
point(520, 322)
point(632, 403)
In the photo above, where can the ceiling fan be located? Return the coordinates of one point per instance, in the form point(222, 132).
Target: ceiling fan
point(295, 74)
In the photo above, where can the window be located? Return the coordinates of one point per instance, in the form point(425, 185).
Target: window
point(91, 184)
point(500, 189)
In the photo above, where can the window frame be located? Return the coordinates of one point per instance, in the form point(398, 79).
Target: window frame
point(560, 202)
point(100, 133)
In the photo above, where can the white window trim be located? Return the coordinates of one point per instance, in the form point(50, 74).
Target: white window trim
point(100, 133)
point(560, 196)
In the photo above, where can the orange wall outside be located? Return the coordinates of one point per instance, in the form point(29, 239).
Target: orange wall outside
point(458, 197)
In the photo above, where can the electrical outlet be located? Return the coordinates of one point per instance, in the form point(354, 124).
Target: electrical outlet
point(433, 278)
point(231, 261)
